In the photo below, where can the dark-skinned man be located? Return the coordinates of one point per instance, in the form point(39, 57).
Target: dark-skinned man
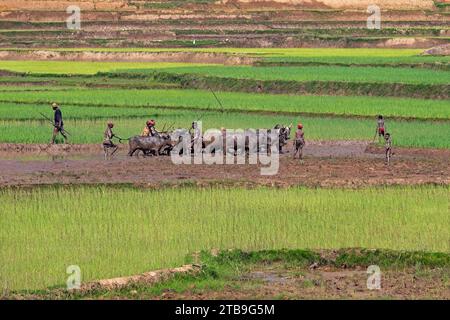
point(58, 124)
point(149, 129)
point(107, 141)
point(299, 142)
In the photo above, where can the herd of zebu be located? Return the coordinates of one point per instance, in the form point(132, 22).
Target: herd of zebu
point(248, 141)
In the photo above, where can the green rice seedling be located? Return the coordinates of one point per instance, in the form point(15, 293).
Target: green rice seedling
point(89, 128)
point(110, 232)
point(232, 101)
point(78, 67)
point(317, 73)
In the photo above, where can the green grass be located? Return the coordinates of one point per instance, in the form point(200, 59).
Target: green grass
point(318, 73)
point(225, 269)
point(33, 87)
point(57, 82)
point(359, 59)
point(317, 55)
point(426, 134)
point(350, 105)
point(80, 67)
point(10, 111)
point(111, 232)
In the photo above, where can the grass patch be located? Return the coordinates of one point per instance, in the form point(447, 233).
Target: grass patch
point(224, 270)
point(318, 73)
point(87, 124)
point(307, 87)
point(235, 101)
point(80, 67)
point(113, 232)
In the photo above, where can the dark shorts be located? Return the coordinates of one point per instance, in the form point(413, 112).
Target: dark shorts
point(109, 144)
point(59, 129)
point(299, 144)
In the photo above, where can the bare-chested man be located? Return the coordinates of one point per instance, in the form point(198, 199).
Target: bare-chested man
point(149, 129)
point(388, 147)
point(299, 142)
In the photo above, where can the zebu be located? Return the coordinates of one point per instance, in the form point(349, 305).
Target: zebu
point(249, 141)
point(156, 145)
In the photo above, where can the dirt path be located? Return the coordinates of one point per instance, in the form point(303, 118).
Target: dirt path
point(328, 164)
point(179, 57)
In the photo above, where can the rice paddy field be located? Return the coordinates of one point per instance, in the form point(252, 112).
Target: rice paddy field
point(113, 230)
point(319, 73)
point(86, 127)
point(119, 231)
point(202, 99)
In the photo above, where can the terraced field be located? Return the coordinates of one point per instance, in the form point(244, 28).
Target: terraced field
point(79, 67)
point(132, 92)
point(318, 73)
point(195, 99)
point(234, 65)
point(224, 24)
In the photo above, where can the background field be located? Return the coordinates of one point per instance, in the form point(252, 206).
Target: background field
point(118, 231)
point(80, 67)
point(131, 93)
point(203, 99)
point(318, 73)
point(87, 124)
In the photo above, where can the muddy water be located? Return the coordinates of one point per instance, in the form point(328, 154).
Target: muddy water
point(326, 164)
point(47, 157)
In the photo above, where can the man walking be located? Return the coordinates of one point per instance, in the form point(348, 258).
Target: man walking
point(58, 124)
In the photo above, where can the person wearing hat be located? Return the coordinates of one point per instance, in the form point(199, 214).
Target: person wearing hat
point(149, 129)
point(107, 140)
point(299, 142)
point(58, 124)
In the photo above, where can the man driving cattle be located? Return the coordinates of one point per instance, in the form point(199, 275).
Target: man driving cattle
point(149, 129)
point(58, 124)
point(107, 141)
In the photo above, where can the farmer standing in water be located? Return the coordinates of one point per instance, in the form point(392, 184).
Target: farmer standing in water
point(58, 124)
